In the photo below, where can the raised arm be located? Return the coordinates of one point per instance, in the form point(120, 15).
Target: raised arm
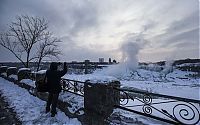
point(64, 71)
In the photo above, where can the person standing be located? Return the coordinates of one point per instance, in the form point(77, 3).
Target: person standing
point(54, 87)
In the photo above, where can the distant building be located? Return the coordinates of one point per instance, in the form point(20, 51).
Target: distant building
point(101, 60)
point(87, 61)
point(110, 61)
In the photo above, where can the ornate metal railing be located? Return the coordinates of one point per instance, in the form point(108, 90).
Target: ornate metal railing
point(73, 86)
point(170, 109)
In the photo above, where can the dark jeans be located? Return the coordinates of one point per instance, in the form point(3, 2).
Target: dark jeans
point(52, 101)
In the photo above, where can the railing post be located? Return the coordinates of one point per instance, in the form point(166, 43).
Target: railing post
point(86, 66)
point(99, 101)
point(75, 87)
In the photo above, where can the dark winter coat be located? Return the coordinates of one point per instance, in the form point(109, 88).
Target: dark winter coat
point(53, 80)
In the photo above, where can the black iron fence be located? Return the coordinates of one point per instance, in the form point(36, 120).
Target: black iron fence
point(169, 109)
point(73, 86)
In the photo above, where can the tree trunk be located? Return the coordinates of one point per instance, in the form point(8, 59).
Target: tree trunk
point(38, 65)
point(27, 59)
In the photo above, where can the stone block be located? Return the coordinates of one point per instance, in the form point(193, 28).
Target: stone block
point(24, 73)
point(12, 71)
point(3, 69)
point(39, 77)
point(101, 98)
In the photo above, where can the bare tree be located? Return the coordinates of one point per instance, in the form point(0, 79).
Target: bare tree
point(25, 33)
point(47, 49)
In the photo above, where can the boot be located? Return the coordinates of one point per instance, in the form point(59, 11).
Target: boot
point(47, 109)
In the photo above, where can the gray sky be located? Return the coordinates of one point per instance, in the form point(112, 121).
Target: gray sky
point(91, 29)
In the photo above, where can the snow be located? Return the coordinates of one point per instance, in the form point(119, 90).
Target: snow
point(15, 77)
point(29, 109)
point(4, 66)
point(102, 79)
point(41, 72)
point(76, 101)
point(169, 81)
point(12, 67)
point(28, 82)
point(4, 74)
point(189, 64)
point(175, 83)
point(169, 88)
point(22, 69)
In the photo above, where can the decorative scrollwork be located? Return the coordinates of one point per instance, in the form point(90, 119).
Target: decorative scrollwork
point(186, 113)
point(81, 89)
point(147, 109)
point(147, 99)
point(175, 110)
point(73, 86)
point(124, 99)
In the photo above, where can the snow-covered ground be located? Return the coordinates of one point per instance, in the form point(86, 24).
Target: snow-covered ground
point(28, 82)
point(31, 110)
point(13, 76)
point(76, 101)
point(177, 83)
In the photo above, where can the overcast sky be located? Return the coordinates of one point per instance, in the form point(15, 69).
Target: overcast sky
point(90, 29)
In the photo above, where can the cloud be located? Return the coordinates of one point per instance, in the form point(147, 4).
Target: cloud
point(182, 33)
point(93, 28)
point(184, 39)
point(189, 22)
